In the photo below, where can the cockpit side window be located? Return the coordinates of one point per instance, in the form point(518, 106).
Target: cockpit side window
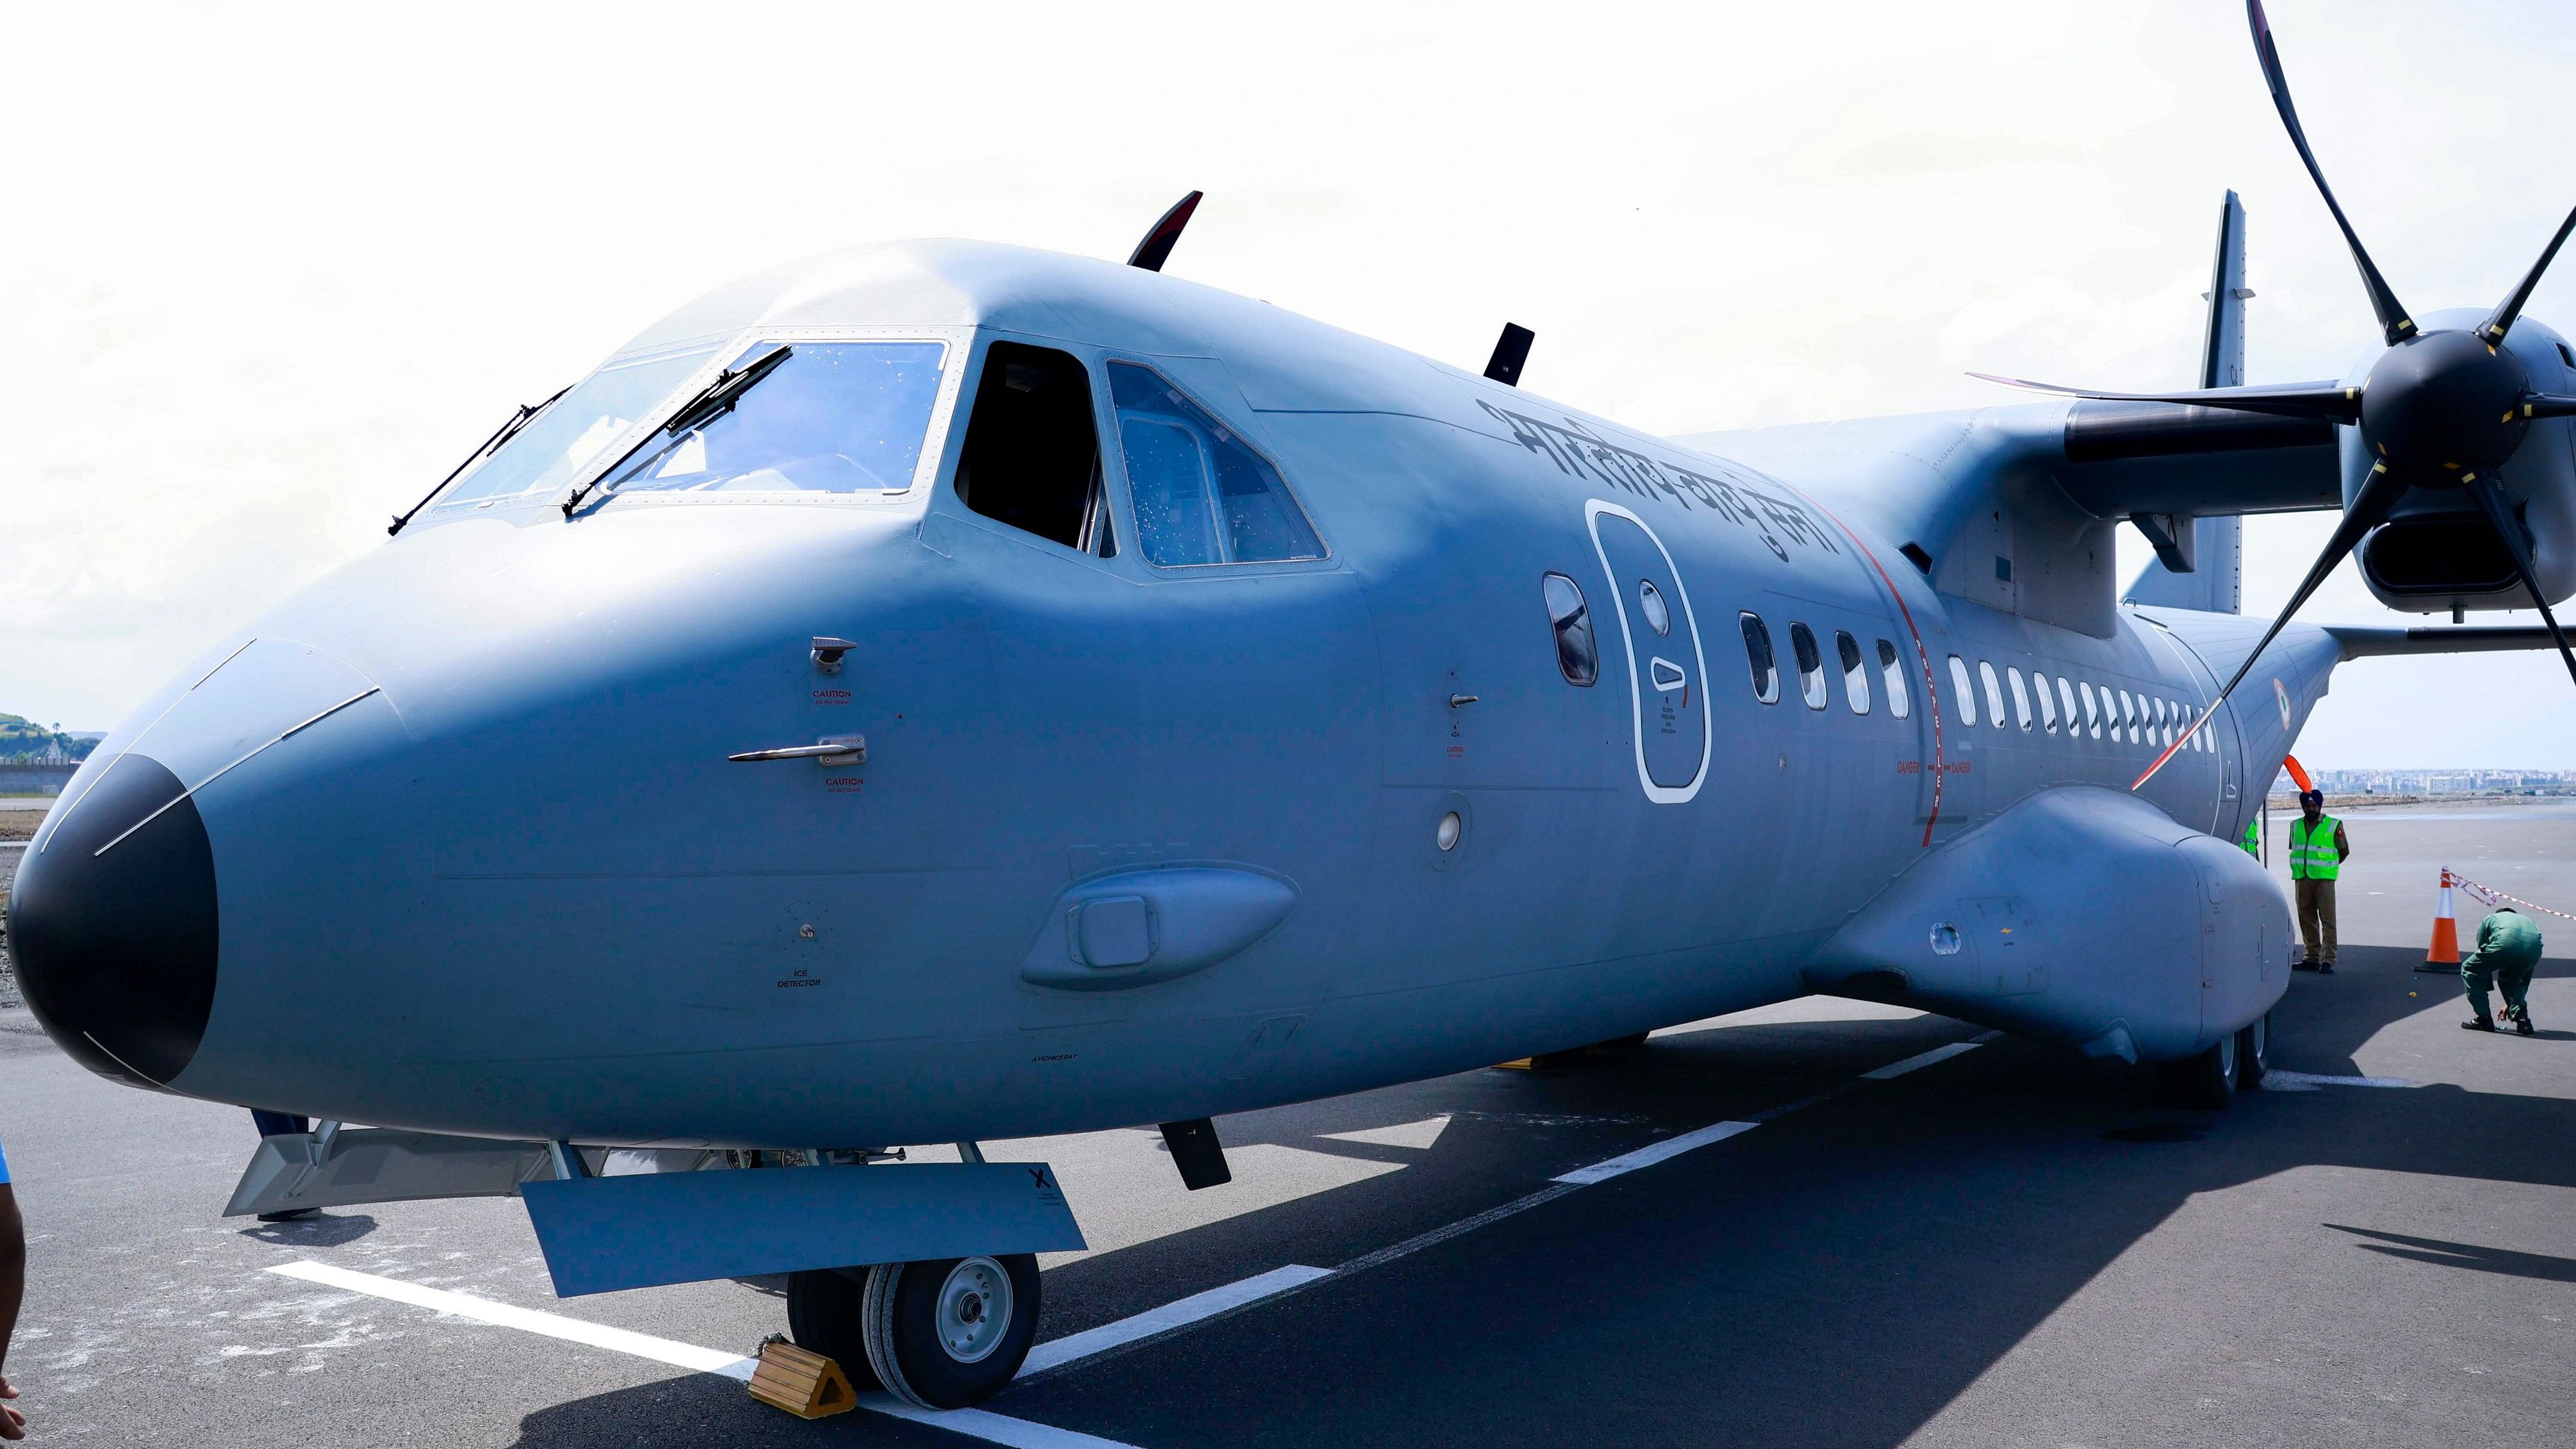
point(1032, 455)
point(1199, 494)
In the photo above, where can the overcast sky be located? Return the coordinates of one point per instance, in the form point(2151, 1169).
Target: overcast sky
point(271, 270)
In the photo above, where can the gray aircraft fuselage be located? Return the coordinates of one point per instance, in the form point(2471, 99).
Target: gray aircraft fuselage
point(1130, 843)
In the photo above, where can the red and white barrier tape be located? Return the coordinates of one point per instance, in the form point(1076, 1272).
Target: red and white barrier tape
point(2494, 897)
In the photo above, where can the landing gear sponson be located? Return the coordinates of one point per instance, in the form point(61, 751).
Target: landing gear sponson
point(943, 1319)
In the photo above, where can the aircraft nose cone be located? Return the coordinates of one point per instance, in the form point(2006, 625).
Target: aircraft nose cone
point(113, 925)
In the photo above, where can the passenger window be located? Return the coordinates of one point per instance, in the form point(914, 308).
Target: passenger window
point(1855, 672)
point(2047, 706)
point(1200, 496)
point(1757, 653)
point(1994, 693)
point(1032, 457)
point(1900, 700)
point(1576, 656)
point(2066, 704)
point(1811, 665)
point(2021, 699)
point(2128, 717)
point(1963, 690)
point(2092, 718)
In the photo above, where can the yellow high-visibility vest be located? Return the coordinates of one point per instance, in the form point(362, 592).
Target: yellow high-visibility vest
point(2312, 851)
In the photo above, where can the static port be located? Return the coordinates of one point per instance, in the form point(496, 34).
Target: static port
point(1448, 830)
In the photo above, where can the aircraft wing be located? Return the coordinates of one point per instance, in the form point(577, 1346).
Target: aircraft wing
point(2360, 641)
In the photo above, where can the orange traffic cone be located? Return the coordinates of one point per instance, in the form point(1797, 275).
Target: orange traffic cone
point(2445, 950)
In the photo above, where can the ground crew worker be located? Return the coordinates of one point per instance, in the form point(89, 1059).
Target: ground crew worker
point(2252, 842)
point(2508, 947)
point(2317, 853)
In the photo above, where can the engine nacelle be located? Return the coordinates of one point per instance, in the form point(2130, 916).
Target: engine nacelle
point(2124, 935)
point(2437, 553)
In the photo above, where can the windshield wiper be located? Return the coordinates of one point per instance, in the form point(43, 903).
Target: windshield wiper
point(712, 401)
point(520, 419)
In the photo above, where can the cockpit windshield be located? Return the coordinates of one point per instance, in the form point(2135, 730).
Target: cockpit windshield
point(831, 417)
point(547, 453)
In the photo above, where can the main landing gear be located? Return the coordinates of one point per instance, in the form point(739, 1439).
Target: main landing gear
point(2207, 1082)
point(943, 1334)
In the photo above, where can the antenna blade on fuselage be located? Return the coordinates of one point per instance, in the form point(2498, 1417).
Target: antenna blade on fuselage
point(1511, 350)
point(1156, 248)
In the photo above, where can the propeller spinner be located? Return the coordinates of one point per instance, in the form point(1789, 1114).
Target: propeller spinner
point(2441, 409)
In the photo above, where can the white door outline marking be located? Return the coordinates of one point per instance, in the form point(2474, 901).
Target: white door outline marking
point(1659, 794)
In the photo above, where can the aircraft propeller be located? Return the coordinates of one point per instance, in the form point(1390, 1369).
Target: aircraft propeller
point(2440, 409)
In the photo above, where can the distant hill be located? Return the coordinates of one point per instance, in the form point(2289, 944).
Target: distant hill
point(24, 741)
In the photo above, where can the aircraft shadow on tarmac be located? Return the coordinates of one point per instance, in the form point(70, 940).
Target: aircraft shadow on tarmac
point(1938, 1221)
point(323, 1230)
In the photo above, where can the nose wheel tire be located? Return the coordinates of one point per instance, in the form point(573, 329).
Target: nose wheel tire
point(2254, 1052)
point(2204, 1083)
point(950, 1333)
point(825, 1313)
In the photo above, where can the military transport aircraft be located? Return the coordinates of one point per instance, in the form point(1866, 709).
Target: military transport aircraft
point(942, 692)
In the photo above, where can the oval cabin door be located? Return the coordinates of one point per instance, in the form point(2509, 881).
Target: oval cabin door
point(1667, 670)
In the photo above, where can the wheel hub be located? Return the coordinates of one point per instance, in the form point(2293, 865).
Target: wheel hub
point(974, 1309)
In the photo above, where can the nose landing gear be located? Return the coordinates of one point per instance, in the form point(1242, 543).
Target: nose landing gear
point(943, 1334)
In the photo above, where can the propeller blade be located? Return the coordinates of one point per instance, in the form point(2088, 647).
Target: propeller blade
point(2392, 313)
point(2547, 405)
point(2331, 400)
point(2500, 321)
point(2491, 503)
point(1156, 248)
point(2379, 493)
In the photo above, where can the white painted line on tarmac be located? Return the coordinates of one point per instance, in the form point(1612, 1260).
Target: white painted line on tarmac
point(505, 1315)
point(975, 1423)
point(988, 1426)
point(1894, 1070)
point(2279, 1080)
point(1058, 1352)
point(1649, 1156)
point(1420, 1241)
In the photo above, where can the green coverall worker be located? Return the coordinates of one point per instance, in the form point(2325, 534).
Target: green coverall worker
point(2253, 842)
point(2508, 949)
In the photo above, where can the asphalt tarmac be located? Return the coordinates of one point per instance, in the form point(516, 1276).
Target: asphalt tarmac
point(1998, 1246)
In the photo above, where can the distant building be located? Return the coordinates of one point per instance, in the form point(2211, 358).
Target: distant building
point(2441, 782)
point(24, 742)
